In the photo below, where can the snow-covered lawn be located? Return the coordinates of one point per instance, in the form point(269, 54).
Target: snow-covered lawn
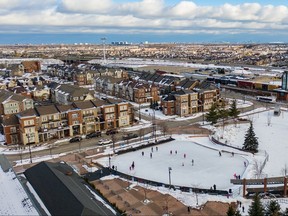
point(208, 167)
point(271, 131)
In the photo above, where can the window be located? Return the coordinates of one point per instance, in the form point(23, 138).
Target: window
point(28, 122)
point(13, 130)
point(75, 115)
point(123, 108)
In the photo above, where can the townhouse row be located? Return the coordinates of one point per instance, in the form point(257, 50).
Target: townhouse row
point(187, 102)
point(44, 123)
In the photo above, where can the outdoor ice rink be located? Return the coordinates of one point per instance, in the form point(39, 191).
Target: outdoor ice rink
point(209, 168)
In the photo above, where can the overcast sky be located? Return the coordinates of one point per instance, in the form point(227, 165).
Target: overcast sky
point(164, 17)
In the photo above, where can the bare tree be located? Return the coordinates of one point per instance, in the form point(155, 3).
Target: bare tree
point(166, 204)
point(146, 188)
point(285, 170)
point(269, 117)
point(141, 133)
point(164, 128)
point(114, 140)
point(258, 169)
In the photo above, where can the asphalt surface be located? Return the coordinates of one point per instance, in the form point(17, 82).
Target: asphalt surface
point(65, 147)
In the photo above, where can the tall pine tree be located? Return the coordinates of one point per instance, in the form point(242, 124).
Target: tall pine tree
point(256, 207)
point(273, 209)
point(233, 111)
point(212, 115)
point(250, 141)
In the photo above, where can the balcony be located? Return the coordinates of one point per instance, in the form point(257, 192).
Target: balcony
point(88, 115)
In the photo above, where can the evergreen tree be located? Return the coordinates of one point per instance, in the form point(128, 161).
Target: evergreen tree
point(212, 115)
point(223, 114)
point(250, 141)
point(256, 208)
point(273, 209)
point(233, 111)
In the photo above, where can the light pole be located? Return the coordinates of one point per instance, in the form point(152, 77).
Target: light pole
point(169, 170)
point(20, 148)
point(109, 161)
point(30, 154)
point(154, 126)
point(139, 111)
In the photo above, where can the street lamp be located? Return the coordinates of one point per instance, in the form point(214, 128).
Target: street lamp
point(20, 148)
point(154, 126)
point(109, 161)
point(139, 111)
point(30, 154)
point(169, 170)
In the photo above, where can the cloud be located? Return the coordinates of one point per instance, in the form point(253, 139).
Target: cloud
point(140, 16)
point(86, 6)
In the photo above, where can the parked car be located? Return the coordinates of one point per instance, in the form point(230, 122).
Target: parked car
point(129, 136)
point(75, 139)
point(104, 141)
point(93, 134)
point(111, 131)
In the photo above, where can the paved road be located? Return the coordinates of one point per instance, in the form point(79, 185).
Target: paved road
point(86, 143)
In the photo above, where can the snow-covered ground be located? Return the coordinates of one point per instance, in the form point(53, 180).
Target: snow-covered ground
point(209, 168)
point(271, 131)
point(206, 171)
point(272, 145)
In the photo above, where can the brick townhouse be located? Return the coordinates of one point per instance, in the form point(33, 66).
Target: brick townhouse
point(44, 123)
point(188, 102)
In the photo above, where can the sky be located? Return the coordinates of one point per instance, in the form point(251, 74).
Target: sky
point(171, 19)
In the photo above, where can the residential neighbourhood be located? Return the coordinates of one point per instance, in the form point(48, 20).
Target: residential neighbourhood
point(47, 108)
point(143, 108)
point(67, 103)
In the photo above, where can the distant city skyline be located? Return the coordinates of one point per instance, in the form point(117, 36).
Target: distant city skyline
point(34, 21)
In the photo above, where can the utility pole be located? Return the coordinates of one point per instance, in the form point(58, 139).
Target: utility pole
point(30, 154)
point(169, 170)
point(139, 111)
point(154, 125)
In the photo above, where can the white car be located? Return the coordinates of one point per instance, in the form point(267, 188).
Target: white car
point(104, 141)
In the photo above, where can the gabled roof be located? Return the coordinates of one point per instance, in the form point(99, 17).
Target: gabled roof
point(27, 113)
point(169, 97)
point(74, 91)
point(204, 86)
point(65, 108)
point(46, 110)
point(62, 191)
point(99, 103)
point(84, 104)
point(5, 95)
point(183, 92)
point(10, 120)
point(187, 83)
